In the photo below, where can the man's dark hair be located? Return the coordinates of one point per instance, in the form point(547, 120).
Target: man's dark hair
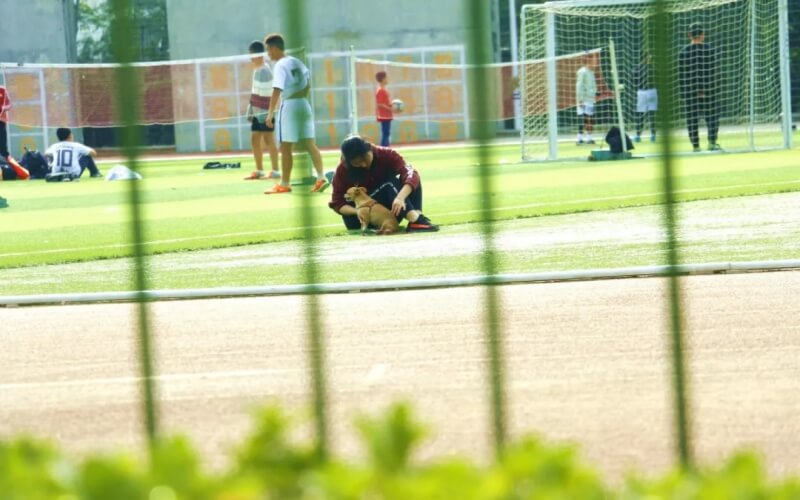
point(256, 47)
point(695, 30)
point(63, 134)
point(274, 40)
point(354, 146)
point(380, 76)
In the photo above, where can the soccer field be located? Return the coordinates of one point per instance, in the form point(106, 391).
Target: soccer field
point(188, 209)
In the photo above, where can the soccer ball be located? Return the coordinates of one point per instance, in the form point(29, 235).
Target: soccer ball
point(398, 105)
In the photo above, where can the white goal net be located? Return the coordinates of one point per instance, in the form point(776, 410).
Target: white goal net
point(750, 71)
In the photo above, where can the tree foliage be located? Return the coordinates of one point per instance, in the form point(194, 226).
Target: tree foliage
point(94, 30)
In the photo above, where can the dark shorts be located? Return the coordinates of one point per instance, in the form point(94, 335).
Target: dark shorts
point(3, 140)
point(257, 126)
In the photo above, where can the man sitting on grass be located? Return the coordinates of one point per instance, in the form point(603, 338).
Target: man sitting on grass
point(71, 158)
point(389, 180)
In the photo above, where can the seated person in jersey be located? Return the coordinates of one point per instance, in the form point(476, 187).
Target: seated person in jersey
point(71, 158)
point(389, 180)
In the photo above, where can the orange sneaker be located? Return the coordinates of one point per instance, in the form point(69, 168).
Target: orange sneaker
point(320, 186)
point(257, 174)
point(278, 189)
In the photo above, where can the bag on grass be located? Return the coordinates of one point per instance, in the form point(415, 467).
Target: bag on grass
point(215, 165)
point(122, 173)
point(35, 163)
point(614, 140)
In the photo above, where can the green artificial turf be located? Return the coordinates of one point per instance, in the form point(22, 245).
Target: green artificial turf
point(187, 208)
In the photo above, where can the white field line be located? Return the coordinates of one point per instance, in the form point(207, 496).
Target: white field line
point(393, 285)
point(162, 242)
point(135, 380)
point(624, 197)
point(326, 226)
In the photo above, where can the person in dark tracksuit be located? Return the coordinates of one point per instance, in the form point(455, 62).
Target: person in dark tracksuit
point(388, 178)
point(699, 87)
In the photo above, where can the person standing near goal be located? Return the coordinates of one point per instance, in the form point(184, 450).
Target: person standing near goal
point(585, 96)
point(290, 88)
point(261, 134)
point(646, 97)
point(698, 86)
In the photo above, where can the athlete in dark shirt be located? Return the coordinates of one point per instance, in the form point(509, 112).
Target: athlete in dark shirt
point(388, 179)
point(699, 89)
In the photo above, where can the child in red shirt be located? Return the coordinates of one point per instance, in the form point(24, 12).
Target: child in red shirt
point(383, 108)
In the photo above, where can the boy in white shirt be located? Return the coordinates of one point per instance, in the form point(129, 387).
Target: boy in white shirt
point(71, 158)
point(291, 84)
point(585, 96)
point(261, 134)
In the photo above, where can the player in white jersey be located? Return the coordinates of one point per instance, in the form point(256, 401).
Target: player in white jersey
point(585, 96)
point(69, 157)
point(291, 84)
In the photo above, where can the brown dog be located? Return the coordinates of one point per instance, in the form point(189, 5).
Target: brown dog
point(372, 213)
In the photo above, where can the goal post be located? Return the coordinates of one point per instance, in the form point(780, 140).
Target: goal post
point(749, 38)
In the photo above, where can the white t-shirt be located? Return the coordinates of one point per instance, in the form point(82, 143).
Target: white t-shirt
point(585, 87)
point(290, 76)
point(66, 155)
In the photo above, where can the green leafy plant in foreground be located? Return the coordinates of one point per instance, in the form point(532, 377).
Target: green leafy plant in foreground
point(270, 464)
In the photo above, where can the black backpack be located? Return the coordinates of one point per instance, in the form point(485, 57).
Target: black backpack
point(614, 140)
point(35, 163)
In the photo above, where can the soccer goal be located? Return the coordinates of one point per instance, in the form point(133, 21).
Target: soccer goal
point(751, 70)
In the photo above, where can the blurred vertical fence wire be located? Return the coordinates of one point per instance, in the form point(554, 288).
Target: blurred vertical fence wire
point(664, 82)
point(479, 44)
point(124, 48)
point(296, 36)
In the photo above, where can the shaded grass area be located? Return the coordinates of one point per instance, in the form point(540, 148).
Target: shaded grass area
point(187, 208)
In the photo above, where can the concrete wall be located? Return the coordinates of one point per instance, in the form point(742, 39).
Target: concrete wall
point(35, 31)
point(225, 28)
point(332, 25)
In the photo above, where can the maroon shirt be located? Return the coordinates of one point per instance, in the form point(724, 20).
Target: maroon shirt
point(386, 164)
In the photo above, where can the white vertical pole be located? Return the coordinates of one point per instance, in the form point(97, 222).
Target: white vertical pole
point(786, 92)
point(752, 131)
point(43, 99)
point(465, 87)
point(236, 87)
point(552, 85)
point(425, 97)
point(617, 94)
point(353, 92)
point(512, 17)
point(523, 82)
point(201, 123)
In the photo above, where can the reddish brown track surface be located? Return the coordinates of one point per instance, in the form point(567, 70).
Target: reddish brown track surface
point(587, 362)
